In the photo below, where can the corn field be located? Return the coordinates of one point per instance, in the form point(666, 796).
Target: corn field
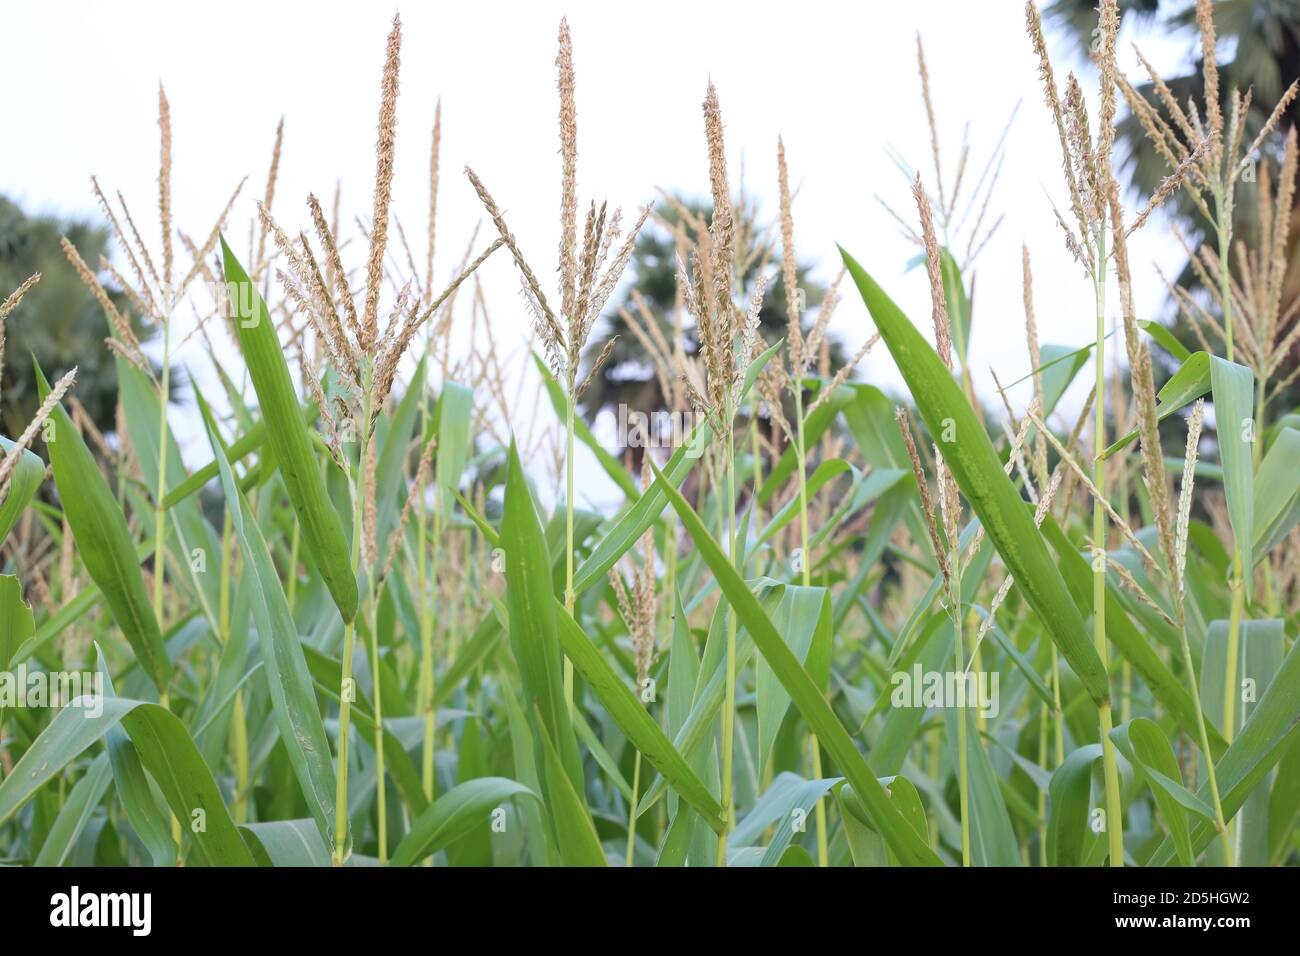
point(826, 625)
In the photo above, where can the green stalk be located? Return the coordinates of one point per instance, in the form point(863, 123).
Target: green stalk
point(1058, 716)
point(1126, 669)
point(295, 548)
point(160, 519)
point(426, 652)
point(823, 854)
point(631, 816)
point(346, 691)
point(729, 705)
point(424, 686)
point(372, 623)
point(160, 513)
point(239, 730)
point(1042, 794)
point(1237, 585)
point(569, 598)
point(380, 795)
point(963, 769)
point(1114, 814)
point(1257, 453)
point(756, 449)
point(1204, 741)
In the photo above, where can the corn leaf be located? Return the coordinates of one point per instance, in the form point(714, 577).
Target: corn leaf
point(16, 620)
point(103, 541)
point(289, 681)
point(1190, 382)
point(810, 701)
point(23, 484)
point(166, 750)
point(455, 814)
point(288, 439)
point(533, 626)
point(978, 471)
point(1234, 396)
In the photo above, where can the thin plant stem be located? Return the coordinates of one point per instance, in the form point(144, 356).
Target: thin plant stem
point(631, 816)
point(729, 705)
point(295, 545)
point(963, 769)
point(346, 689)
point(1058, 715)
point(569, 598)
point(1114, 817)
point(380, 790)
point(823, 853)
point(160, 519)
point(1237, 585)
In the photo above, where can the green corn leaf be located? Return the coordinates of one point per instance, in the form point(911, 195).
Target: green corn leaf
point(810, 701)
point(1284, 804)
point(575, 831)
point(1166, 339)
point(455, 814)
point(166, 750)
point(636, 723)
point(453, 418)
point(1061, 365)
point(16, 620)
point(293, 701)
point(1069, 836)
point(814, 427)
point(803, 618)
point(954, 293)
point(286, 843)
point(533, 627)
point(978, 471)
point(1234, 397)
point(322, 529)
point(1150, 748)
point(75, 813)
point(1276, 512)
point(1190, 382)
point(1272, 726)
point(247, 443)
point(103, 541)
point(993, 840)
point(147, 815)
point(390, 490)
point(1132, 644)
point(789, 799)
point(24, 481)
point(142, 410)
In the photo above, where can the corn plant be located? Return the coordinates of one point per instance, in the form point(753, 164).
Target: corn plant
point(374, 624)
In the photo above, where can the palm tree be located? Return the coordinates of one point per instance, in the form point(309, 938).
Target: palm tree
point(1262, 39)
point(629, 377)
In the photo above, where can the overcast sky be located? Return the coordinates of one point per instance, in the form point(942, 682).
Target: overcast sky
point(838, 81)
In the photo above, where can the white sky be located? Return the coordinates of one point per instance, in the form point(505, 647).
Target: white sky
point(836, 80)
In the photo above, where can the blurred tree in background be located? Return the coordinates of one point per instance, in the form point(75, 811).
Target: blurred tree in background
point(59, 320)
point(1258, 49)
point(629, 378)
